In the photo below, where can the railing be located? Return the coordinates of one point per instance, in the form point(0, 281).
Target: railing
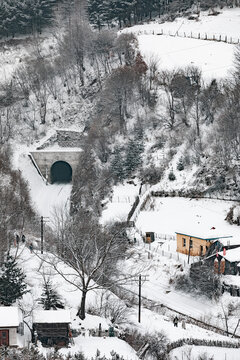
point(193, 35)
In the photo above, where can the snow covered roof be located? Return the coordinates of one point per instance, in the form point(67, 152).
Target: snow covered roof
point(232, 255)
point(10, 316)
point(51, 316)
point(205, 234)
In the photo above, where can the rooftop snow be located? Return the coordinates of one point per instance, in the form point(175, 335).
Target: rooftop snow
point(232, 255)
point(9, 316)
point(51, 316)
point(205, 234)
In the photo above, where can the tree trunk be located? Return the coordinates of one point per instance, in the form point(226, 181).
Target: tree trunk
point(81, 310)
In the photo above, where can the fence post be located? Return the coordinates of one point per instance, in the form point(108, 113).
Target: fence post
point(225, 38)
point(220, 38)
point(199, 35)
point(205, 36)
point(213, 37)
point(191, 34)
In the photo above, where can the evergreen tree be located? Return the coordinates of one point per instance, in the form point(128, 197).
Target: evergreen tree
point(12, 285)
point(133, 155)
point(50, 298)
point(117, 164)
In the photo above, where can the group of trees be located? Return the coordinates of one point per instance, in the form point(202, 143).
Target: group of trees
point(128, 12)
point(24, 16)
point(15, 206)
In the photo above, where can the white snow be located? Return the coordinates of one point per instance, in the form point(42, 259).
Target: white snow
point(51, 316)
point(47, 199)
point(10, 316)
point(232, 255)
point(192, 216)
point(215, 353)
point(214, 58)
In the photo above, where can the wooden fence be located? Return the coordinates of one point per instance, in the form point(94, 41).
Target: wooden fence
point(193, 35)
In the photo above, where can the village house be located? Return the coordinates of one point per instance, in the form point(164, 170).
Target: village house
point(51, 327)
point(11, 326)
point(198, 243)
point(227, 262)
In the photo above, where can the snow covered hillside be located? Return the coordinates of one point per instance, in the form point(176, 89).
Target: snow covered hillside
point(176, 49)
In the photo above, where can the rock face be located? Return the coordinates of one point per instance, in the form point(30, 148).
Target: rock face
point(64, 139)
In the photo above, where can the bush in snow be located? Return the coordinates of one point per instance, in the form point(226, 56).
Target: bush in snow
point(171, 176)
point(151, 175)
point(154, 345)
point(180, 165)
point(200, 280)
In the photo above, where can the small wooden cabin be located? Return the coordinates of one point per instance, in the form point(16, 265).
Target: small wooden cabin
point(150, 237)
point(51, 327)
point(10, 325)
point(231, 260)
point(196, 245)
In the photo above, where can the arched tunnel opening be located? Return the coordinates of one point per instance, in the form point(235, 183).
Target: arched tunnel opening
point(61, 172)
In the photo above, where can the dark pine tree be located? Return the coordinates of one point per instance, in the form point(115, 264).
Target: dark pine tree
point(50, 298)
point(12, 285)
point(117, 164)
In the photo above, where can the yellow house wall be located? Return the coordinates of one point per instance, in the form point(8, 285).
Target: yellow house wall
point(196, 243)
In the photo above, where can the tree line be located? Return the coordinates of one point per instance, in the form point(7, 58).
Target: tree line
point(129, 12)
point(31, 16)
point(25, 16)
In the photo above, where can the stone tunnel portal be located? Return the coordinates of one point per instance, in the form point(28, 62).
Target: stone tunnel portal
point(61, 172)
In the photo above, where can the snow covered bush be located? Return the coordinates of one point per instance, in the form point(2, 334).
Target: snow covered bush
point(200, 280)
point(171, 176)
point(180, 165)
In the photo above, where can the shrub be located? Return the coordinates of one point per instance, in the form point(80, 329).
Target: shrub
point(180, 165)
point(171, 176)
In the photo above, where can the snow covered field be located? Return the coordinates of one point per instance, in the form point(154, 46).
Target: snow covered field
point(169, 215)
point(215, 59)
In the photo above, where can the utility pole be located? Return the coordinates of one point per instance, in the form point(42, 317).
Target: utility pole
point(139, 298)
point(42, 224)
point(189, 249)
point(41, 234)
point(141, 279)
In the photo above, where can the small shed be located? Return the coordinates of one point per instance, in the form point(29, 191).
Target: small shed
point(10, 325)
point(150, 237)
point(231, 259)
point(51, 327)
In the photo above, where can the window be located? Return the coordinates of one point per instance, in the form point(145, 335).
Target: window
point(191, 244)
point(183, 242)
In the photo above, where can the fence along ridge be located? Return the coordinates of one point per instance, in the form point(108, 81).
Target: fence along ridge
point(193, 35)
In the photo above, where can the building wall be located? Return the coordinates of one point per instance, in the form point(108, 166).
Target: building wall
point(196, 245)
point(12, 333)
point(13, 337)
point(45, 160)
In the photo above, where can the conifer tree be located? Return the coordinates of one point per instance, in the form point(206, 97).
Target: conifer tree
point(50, 298)
point(133, 155)
point(117, 164)
point(12, 285)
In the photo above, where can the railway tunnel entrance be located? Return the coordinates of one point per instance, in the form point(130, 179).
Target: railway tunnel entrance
point(61, 172)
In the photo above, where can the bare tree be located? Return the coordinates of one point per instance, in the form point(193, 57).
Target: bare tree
point(91, 253)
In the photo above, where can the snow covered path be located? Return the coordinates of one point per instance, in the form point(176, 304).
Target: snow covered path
point(186, 304)
point(47, 199)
